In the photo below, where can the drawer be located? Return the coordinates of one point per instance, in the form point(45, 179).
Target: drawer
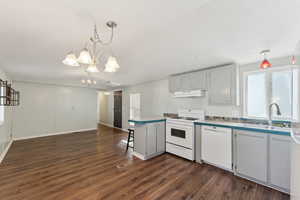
point(180, 151)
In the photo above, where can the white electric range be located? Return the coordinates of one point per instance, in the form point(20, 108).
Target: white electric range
point(180, 133)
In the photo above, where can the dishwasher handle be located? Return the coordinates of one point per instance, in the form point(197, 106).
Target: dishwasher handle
point(216, 129)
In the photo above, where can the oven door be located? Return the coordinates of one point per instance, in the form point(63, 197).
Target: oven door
point(180, 135)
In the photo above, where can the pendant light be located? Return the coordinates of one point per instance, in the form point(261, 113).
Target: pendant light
point(111, 65)
point(85, 57)
point(71, 60)
point(293, 60)
point(265, 63)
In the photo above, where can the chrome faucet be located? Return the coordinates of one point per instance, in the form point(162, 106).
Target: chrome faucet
point(270, 112)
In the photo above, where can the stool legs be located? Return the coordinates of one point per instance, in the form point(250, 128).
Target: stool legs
point(130, 136)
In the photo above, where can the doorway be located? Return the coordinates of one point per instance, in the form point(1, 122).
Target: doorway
point(118, 109)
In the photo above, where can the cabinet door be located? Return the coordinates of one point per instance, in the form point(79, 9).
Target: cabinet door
point(185, 82)
point(197, 80)
point(151, 139)
point(140, 139)
point(280, 161)
point(175, 83)
point(161, 137)
point(222, 85)
point(198, 143)
point(251, 155)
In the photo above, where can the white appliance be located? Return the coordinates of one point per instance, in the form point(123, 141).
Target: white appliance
point(295, 162)
point(192, 93)
point(216, 146)
point(180, 133)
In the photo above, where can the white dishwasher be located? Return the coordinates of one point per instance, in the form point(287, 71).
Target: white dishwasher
point(216, 146)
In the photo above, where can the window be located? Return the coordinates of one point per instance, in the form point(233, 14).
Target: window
point(256, 96)
point(135, 110)
point(277, 85)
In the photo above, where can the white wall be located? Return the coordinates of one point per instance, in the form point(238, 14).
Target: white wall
point(5, 128)
point(48, 109)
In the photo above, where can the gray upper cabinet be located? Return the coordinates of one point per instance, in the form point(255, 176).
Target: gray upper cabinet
point(197, 80)
point(251, 155)
point(188, 81)
point(222, 85)
point(280, 161)
point(185, 84)
point(174, 83)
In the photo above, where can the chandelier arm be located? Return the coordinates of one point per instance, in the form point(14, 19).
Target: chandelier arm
point(110, 40)
point(99, 55)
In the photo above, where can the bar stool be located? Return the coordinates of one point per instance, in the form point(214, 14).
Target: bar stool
point(130, 138)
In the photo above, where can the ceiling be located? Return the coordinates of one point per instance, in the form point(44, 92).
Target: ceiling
point(153, 39)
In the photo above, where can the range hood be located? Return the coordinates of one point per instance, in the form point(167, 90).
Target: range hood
point(192, 93)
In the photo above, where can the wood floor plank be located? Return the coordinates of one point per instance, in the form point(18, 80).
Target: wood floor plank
point(93, 165)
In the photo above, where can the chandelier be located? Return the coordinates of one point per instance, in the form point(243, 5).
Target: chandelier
point(89, 56)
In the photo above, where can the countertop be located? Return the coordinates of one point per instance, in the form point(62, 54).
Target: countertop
point(233, 125)
point(146, 120)
point(247, 127)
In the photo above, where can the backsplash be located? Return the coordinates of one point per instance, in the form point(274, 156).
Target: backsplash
point(279, 123)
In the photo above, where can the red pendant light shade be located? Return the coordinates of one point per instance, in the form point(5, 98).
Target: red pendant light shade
point(265, 63)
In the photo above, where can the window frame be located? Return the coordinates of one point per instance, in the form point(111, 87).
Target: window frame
point(268, 85)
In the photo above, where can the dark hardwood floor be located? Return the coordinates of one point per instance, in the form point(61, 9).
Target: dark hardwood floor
point(92, 165)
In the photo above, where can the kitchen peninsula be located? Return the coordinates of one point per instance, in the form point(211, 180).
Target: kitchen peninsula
point(149, 137)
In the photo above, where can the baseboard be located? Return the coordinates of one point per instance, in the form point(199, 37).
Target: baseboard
point(3, 154)
point(111, 126)
point(138, 155)
point(52, 134)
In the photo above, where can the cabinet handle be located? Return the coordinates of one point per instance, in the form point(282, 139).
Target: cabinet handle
point(281, 140)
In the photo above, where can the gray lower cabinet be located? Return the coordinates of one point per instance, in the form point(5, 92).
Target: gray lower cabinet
point(161, 137)
point(149, 139)
point(264, 158)
point(198, 139)
point(151, 136)
point(280, 161)
point(251, 155)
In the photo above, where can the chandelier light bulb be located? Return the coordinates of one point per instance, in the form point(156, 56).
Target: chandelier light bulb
point(83, 81)
point(71, 60)
point(89, 81)
point(95, 82)
point(92, 68)
point(85, 57)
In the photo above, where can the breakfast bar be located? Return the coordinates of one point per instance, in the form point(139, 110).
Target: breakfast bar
point(149, 137)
